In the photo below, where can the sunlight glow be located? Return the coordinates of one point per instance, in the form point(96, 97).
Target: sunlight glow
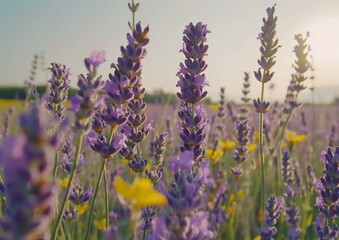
point(324, 39)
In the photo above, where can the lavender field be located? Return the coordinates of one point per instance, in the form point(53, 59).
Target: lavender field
point(104, 164)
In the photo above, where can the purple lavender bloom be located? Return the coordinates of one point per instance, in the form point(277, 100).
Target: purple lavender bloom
point(261, 106)
point(79, 195)
point(95, 60)
point(98, 123)
point(6, 120)
point(243, 132)
point(127, 72)
point(218, 215)
point(115, 116)
point(327, 201)
point(136, 128)
point(193, 130)
point(106, 149)
point(137, 164)
point(186, 201)
point(154, 174)
point(287, 171)
point(89, 98)
point(157, 149)
point(191, 80)
point(59, 85)
point(70, 214)
point(68, 160)
point(147, 215)
point(269, 47)
point(272, 213)
point(327, 185)
point(325, 231)
point(183, 162)
point(27, 161)
point(237, 171)
point(293, 219)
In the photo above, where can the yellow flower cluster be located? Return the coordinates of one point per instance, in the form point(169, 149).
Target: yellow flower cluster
point(227, 145)
point(293, 138)
point(214, 155)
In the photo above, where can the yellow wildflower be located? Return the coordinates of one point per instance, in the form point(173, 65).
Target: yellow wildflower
point(231, 210)
point(83, 208)
point(64, 182)
point(260, 215)
point(240, 194)
point(232, 198)
point(140, 193)
point(256, 136)
point(252, 147)
point(214, 155)
point(125, 161)
point(214, 107)
point(293, 138)
point(100, 224)
point(257, 238)
point(227, 144)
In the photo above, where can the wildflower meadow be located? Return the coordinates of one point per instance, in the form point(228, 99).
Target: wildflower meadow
point(105, 164)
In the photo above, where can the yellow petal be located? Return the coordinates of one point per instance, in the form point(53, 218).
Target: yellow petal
point(123, 188)
point(140, 194)
point(100, 224)
point(209, 153)
point(145, 195)
point(228, 144)
point(214, 107)
point(125, 161)
point(292, 137)
point(141, 184)
point(252, 147)
point(150, 198)
point(64, 182)
point(83, 208)
point(214, 155)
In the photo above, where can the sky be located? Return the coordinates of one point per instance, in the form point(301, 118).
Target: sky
point(68, 31)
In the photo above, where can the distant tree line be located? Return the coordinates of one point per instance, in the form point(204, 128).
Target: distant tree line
point(156, 97)
point(17, 92)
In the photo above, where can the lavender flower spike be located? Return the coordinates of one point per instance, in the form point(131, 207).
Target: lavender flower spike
point(272, 213)
point(191, 80)
point(89, 98)
point(59, 85)
point(27, 161)
point(327, 201)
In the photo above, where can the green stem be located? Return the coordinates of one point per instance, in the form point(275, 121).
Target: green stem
point(279, 146)
point(133, 16)
point(95, 196)
point(56, 160)
point(106, 198)
point(63, 205)
point(144, 235)
point(261, 145)
point(103, 174)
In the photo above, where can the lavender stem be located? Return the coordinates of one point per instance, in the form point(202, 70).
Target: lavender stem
point(63, 205)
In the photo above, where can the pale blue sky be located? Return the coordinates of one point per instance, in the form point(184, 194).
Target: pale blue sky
point(67, 31)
